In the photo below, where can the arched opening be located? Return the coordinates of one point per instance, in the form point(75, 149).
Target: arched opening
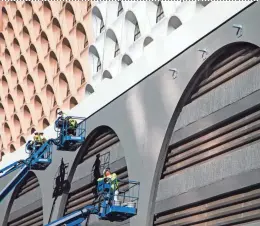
point(19, 20)
point(73, 102)
point(70, 16)
point(81, 36)
point(23, 67)
point(10, 104)
point(45, 43)
point(89, 90)
point(33, 55)
point(113, 48)
point(147, 41)
point(201, 4)
point(207, 138)
point(98, 21)
point(33, 211)
point(7, 133)
point(132, 28)
point(159, 12)
point(26, 37)
point(2, 42)
point(36, 25)
point(30, 86)
point(95, 60)
point(17, 125)
point(47, 12)
point(50, 96)
point(20, 96)
point(64, 90)
point(7, 58)
point(45, 123)
point(22, 141)
point(173, 24)
point(4, 17)
point(54, 65)
point(33, 130)
point(14, 78)
point(107, 75)
point(79, 77)
point(16, 46)
point(56, 30)
point(5, 88)
point(126, 61)
point(38, 107)
point(10, 31)
point(27, 116)
point(12, 148)
point(41, 75)
point(66, 51)
point(102, 144)
point(2, 113)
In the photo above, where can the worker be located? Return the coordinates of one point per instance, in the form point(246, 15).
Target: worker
point(68, 123)
point(36, 143)
point(111, 178)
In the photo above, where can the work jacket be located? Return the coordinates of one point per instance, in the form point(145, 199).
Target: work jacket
point(72, 123)
point(114, 181)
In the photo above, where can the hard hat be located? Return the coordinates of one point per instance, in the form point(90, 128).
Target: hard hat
point(59, 111)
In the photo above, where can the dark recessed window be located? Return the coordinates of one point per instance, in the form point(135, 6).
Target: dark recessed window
point(160, 13)
point(98, 65)
point(117, 49)
point(137, 31)
point(120, 8)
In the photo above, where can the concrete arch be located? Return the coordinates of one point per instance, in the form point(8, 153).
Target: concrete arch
point(73, 102)
point(17, 125)
point(19, 20)
point(152, 8)
point(48, 12)
point(81, 36)
point(12, 148)
point(64, 88)
point(147, 41)
point(5, 87)
point(131, 22)
point(66, 51)
point(174, 23)
point(45, 45)
point(98, 20)
point(38, 107)
point(79, 77)
point(14, 77)
point(16, 46)
point(7, 133)
point(101, 136)
point(23, 66)
point(22, 141)
point(126, 61)
point(36, 25)
point(45, 123)
point(94, 58)
point(10, 104)
point(33, 54)
point(26, 37)
point(2, 113)
point(70, 16)
point(50, 95)
point(27, 185)
point(56, 29)
point(31, 86)
point(42, 78)
point(89, 90)
point(20, 97)
point(107, 75)
point(27, 116)
point(212, 63)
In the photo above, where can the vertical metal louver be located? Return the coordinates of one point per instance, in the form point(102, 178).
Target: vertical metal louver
point(85, 195)
point(235, 208)
point(34, 218)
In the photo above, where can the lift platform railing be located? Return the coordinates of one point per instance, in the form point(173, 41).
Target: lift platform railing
point(12, 167)
point(107, 208)
point(66, 134)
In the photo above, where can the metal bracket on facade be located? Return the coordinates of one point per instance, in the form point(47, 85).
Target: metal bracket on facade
point(174, 72)
point(204, 53)
point(239, 28)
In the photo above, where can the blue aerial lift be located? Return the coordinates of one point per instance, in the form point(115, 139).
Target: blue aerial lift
point(41, 156)
point(68, 137)
point(106, 208)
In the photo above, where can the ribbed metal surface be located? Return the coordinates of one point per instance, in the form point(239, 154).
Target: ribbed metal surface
point(34, 218)
point(238, 131)
point(232, 209)
point(30, 183)
point(233, 62)
point(85, 195)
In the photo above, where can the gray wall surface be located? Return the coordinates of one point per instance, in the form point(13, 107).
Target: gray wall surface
point(144, 118)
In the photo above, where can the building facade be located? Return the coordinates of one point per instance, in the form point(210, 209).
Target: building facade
point(44, 47)
point(178, 112)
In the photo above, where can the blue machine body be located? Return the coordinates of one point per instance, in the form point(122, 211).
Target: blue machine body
point(69, 138)
point(106, 208)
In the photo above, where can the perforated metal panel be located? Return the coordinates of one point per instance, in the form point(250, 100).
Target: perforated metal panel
point(230, 209)
point(85, 195)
